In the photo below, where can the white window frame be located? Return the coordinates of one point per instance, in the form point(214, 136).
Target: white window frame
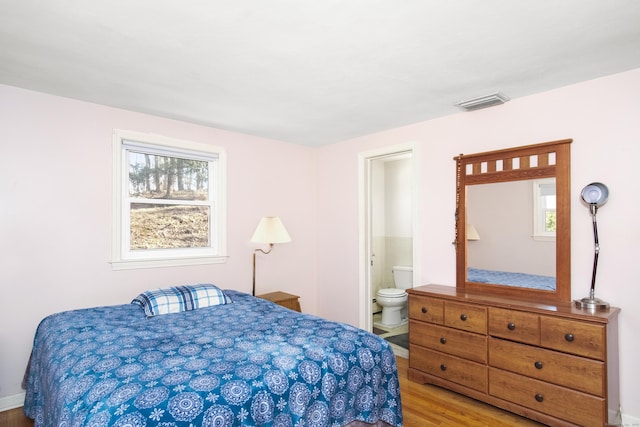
point(539, 217)
point(122, 258)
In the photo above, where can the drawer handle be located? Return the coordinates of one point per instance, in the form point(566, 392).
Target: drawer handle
point(443, 340)
point(424, 310)
point(443, 367)
point(538, 365)
point(539, 397)
point(463, 317)
point(511, 326)
point(569, 337)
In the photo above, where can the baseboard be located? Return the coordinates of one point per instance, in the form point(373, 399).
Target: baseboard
point(11, 402)
point(629, 421)
point(400, 351)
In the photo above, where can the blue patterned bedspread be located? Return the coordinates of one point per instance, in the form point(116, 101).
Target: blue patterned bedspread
point(521, 280)
point(249, 363)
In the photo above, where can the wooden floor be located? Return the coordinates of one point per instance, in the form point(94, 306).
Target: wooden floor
point(422, 405)
point(14, 418)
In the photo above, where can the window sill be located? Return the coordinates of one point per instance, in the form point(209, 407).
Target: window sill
point(540, 238)
point(171, 262)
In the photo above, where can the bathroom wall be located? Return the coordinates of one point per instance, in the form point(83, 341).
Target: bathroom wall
point(392, 222)
point(398, 216)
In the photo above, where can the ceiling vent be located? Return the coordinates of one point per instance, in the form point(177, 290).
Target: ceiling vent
point(482, 102)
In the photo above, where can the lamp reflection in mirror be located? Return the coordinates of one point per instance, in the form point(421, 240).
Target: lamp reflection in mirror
point(594, 195)
point(472, 233)
point(270, 230)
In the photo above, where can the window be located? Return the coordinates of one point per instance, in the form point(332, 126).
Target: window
point(169, 202)
point(544, 209)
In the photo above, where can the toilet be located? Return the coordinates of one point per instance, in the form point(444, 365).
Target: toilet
point(394, 300)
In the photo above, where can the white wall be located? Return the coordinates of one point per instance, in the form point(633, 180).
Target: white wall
point(600, 115)
point(55, 215)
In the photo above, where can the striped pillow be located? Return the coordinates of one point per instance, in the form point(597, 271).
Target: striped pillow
point(180, 298)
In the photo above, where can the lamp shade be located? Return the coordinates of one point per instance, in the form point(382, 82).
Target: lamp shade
point(270, 230)
point(595, 193)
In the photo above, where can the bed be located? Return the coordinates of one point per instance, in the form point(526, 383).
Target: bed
point(243, 361)
point(521, 280)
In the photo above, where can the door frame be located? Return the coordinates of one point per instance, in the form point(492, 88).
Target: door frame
point(364, 223)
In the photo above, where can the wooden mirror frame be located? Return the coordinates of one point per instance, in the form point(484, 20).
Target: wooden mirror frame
point(484, 170)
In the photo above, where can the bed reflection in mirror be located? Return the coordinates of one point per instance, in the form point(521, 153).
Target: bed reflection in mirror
point(516, 244)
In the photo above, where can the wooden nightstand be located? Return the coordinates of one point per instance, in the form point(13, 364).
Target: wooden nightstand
point(282, 298)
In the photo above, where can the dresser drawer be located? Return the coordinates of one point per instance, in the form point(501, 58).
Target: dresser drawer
point(467, 317)
point(452, 341)
point(451, 368)
point(426, 309)
point(576, 407)
point(574, 372)
point(584, 339)
point(514, 325)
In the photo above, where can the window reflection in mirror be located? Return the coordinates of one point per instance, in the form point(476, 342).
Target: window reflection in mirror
point(544, 209)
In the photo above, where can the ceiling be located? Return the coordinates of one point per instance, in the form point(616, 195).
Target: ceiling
point(310, 72)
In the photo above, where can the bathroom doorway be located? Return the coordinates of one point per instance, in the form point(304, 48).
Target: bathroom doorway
point(387, 232)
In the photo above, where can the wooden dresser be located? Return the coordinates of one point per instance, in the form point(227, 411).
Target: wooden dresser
point(554, 364)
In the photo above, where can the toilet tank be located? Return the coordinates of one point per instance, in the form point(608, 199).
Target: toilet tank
point(402, 276)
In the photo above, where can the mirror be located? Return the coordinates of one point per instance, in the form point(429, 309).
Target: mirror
point(513, 208)
point(514, 241)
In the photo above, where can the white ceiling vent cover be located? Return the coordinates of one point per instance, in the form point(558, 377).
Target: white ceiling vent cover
point(482, 102)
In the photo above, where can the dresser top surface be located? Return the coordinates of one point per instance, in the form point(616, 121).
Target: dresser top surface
point(565, 310)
